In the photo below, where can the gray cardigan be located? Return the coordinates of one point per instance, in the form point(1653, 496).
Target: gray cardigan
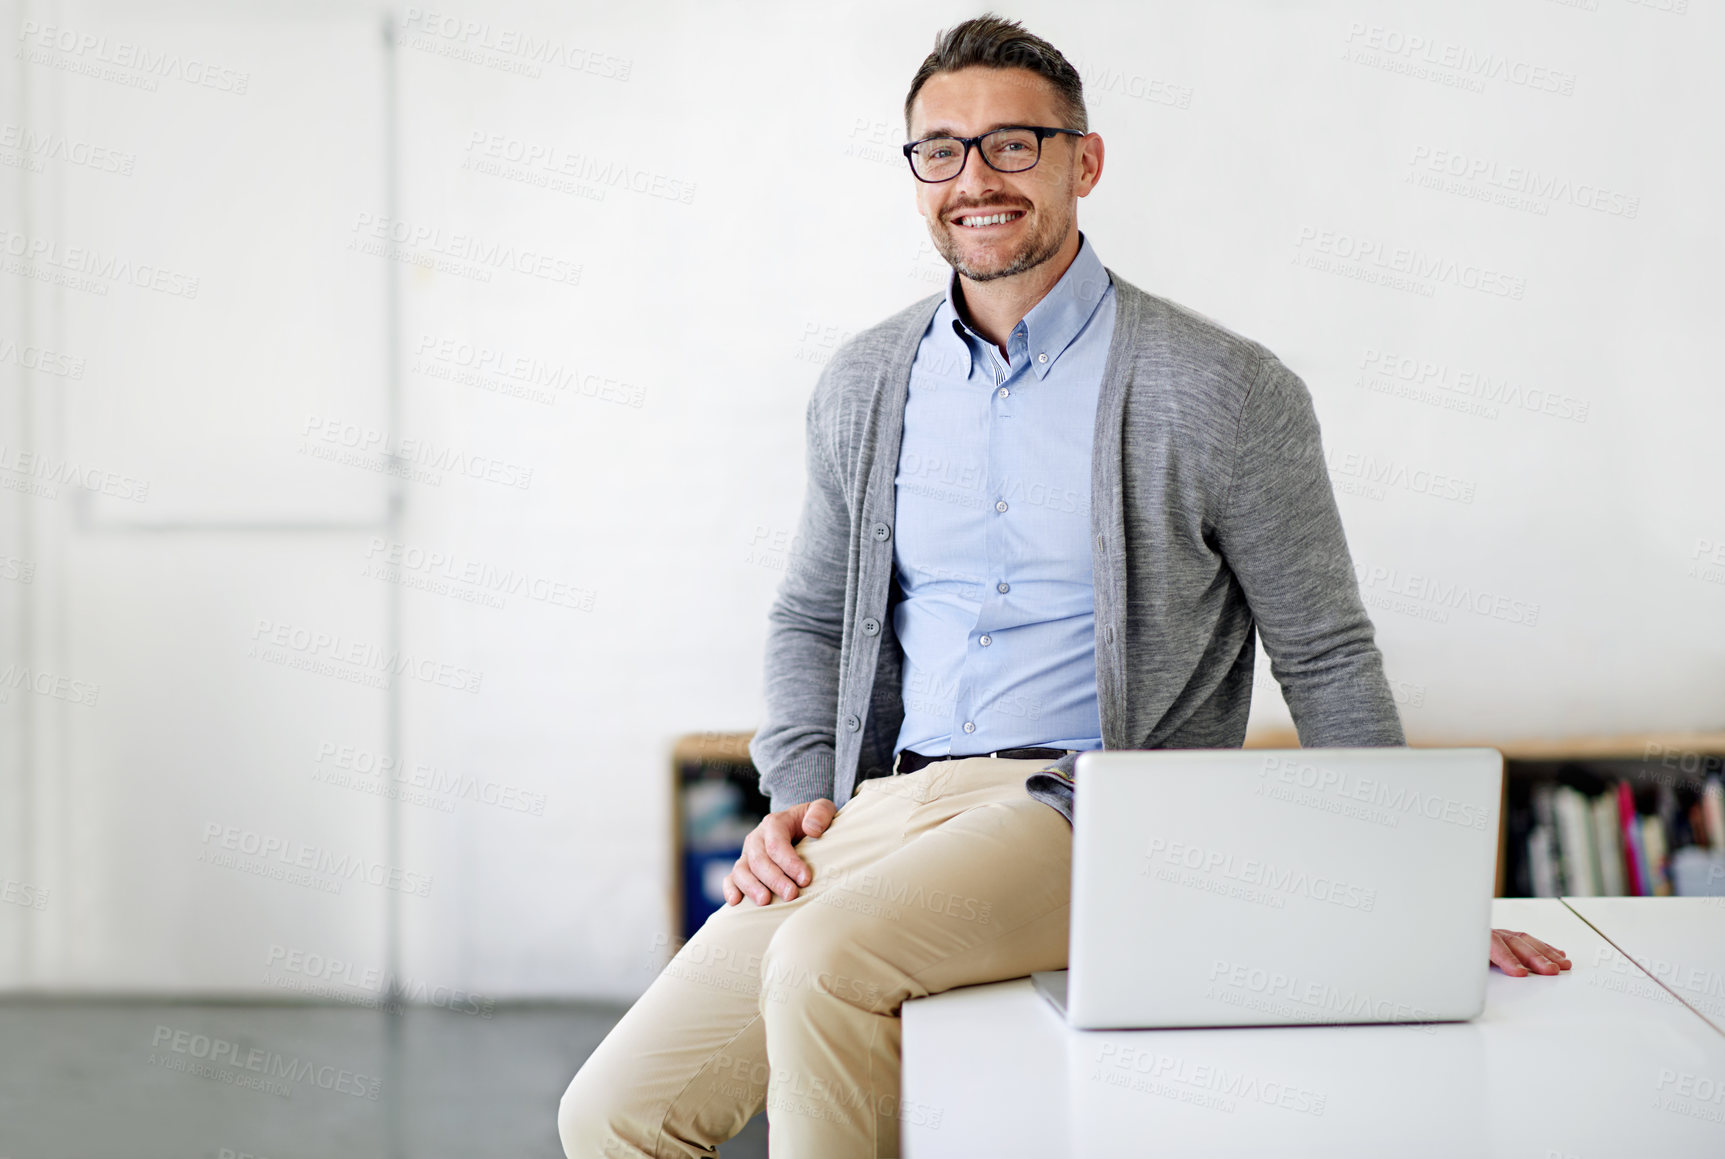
point(1212, 513)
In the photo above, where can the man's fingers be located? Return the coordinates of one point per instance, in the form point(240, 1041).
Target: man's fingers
point(769, 864)
point(767, 871)
point(733, 895)
point(1504, 957)
point(1544, 947)
point(748, 883)
point(820, 814)
point(784, 857)
point(1517, 953)
point(1550, 951)
point(1534, 954)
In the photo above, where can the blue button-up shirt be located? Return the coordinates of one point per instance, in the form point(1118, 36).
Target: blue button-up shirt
point(992, 547)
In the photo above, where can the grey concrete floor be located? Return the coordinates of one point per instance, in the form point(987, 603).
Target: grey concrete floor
point(132, 1080)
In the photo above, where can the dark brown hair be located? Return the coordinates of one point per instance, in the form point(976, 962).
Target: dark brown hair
point(994, 42)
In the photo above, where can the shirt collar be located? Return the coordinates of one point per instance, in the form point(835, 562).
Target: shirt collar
point(1049, 327)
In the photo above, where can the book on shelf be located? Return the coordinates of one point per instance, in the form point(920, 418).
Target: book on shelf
point(1602, 846)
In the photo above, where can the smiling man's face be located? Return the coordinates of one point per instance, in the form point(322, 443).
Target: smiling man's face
point(1040, 203)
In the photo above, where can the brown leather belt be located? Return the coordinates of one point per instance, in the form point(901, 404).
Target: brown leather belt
point(910, 762)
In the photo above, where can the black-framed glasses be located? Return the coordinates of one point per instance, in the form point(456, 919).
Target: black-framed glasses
point(1008, 149)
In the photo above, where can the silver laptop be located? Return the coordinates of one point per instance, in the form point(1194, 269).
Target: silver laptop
point(1274, 887)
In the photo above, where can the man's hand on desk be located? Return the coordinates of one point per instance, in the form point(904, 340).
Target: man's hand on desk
point(1516, 953)
point(768, 857)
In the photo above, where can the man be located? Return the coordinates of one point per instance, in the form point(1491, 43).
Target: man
point(1046, 512)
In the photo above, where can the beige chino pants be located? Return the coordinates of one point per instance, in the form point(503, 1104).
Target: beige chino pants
point(949, 876)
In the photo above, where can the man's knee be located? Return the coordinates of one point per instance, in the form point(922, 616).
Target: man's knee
point(590, 1119)
point(814, 956)
point(613, 1108)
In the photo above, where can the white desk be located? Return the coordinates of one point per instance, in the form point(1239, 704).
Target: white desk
point(1680, 941)
point(1569, 1067)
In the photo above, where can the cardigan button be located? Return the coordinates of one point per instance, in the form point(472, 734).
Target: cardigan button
point(871, 626)
point(882, 532)
point(853, 722)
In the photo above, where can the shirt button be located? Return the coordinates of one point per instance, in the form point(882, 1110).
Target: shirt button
point(986, 641)
point(853, 722)
point(1000, 505)
point(1003, 392)
point(1003, 587)
point(870, 626)
point(1042, 358)
point(882, 531)
point(970, 726)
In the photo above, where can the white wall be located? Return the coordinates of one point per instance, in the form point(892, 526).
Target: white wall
point(1245, 143)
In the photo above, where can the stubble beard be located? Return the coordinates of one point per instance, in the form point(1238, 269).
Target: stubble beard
point(1042, 243)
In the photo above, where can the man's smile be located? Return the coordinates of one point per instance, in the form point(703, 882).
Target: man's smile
point(989, 220)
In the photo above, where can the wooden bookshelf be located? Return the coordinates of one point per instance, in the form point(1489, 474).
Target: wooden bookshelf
point(698, 748)
point(1544, 750)
point(733, 748)
point(1622, 747)
point(712, 746)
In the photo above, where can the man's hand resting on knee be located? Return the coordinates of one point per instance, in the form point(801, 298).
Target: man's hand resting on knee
point(768, 861)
